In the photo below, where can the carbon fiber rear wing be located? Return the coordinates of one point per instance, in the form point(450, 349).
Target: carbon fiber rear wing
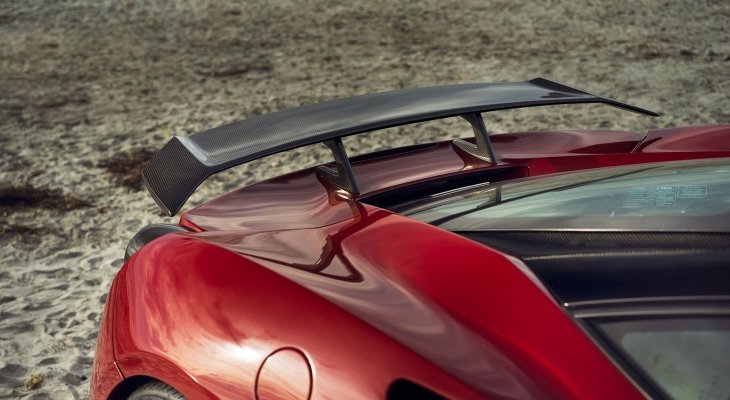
point(184, 163)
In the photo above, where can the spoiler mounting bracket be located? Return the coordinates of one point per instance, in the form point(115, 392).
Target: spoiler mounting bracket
point(483, 149)
point(342, 175)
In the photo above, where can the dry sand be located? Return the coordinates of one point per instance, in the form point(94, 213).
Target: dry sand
point(89, 89)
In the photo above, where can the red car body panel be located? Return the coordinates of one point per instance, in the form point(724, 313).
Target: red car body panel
point(228, 334)
point(106, 376)
point(366, 296)
point(686, 139)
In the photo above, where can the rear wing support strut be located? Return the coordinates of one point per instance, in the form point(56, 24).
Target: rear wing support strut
point(343, 177)
point(483, 148)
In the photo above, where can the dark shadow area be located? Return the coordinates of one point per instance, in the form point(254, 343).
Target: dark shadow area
point(127, 168)
point(27, 196)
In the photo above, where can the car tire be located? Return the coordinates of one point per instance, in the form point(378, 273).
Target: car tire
point(155, 391)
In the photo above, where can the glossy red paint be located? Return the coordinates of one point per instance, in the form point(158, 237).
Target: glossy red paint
point(186, 302)
point(460, 305)
point(293, 201)
point(680, 144)
point(686, 139)
point(104, 373)
point(199, 302)
point(528, 145)
point(366, 296)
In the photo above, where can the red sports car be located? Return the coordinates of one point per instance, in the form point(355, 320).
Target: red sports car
point(531, 265)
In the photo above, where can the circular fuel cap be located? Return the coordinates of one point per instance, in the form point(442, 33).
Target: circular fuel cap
point(284, 375)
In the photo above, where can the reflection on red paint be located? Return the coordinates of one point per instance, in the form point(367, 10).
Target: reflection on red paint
point(369, 296)
point(686, 139)
point(285, 375)
point(298, 201)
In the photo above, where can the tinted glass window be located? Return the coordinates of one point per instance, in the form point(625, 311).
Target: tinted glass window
point(684, 196)
point(687, 358)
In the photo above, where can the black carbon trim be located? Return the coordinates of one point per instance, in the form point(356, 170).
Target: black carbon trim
point(403, 199)
point(629, 276)
point(547, 84)
point(403, 389)
point(148, 234)
point(342, 176)
point(605, 266)
point(561, 244)
point(185, 162)
point(482, 146)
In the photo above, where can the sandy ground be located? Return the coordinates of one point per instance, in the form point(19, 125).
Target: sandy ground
point(88, 90)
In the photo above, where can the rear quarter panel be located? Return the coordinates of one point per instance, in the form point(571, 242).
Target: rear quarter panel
point(104, 373)
point(204, 319)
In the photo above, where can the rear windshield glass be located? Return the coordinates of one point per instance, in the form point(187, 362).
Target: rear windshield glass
point(687, 358)
point(676, 196)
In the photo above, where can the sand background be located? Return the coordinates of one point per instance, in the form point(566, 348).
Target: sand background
point(89, 90)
